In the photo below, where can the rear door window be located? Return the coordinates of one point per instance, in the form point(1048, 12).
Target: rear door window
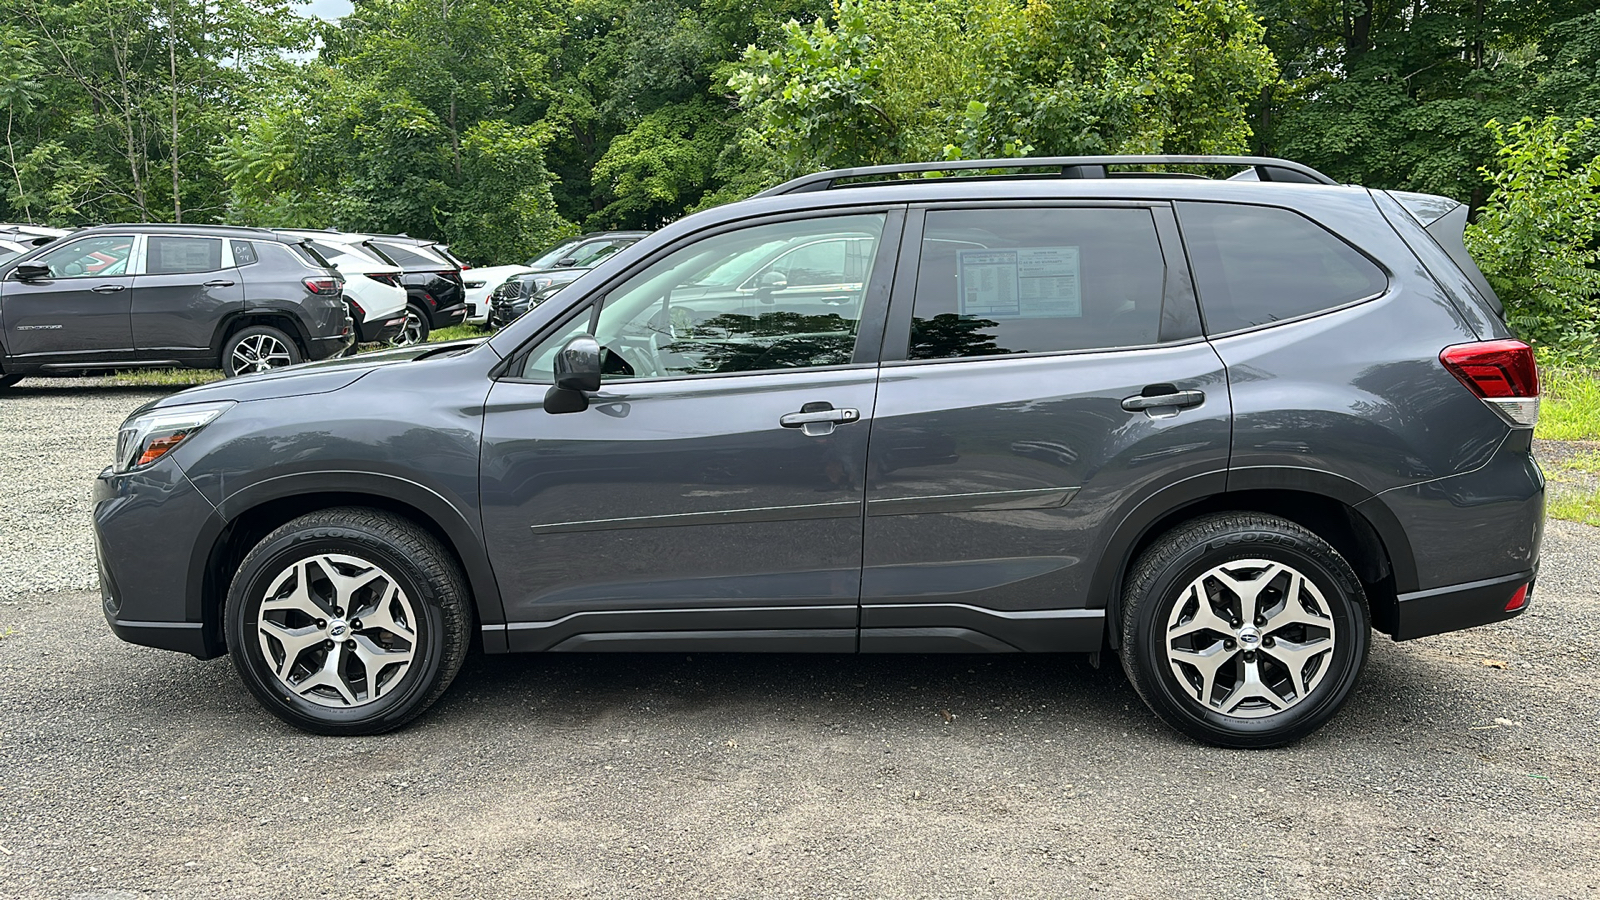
point(182, 255)
point(1036, 280)
point(1255, 265)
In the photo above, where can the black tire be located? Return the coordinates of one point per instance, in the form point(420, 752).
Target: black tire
point(415, 330)
point(1160, 581)
point(432, 595)
point(9, 380)
point(269, 347)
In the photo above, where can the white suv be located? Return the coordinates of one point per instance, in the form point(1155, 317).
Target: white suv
point(372, 284)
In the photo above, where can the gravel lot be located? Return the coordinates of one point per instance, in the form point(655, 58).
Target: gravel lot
point(1466, 765)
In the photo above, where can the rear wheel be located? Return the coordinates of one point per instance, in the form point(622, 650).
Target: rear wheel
point(348, 621)
point(1243, 630)
point(415, 330)
point(259, 348)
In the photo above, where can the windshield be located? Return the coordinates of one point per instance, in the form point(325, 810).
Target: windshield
point(548, 258)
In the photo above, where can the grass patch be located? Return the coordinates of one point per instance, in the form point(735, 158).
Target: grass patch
point(165, 377)
point(458, 332)
point(1570, 407)
point(1575, 507)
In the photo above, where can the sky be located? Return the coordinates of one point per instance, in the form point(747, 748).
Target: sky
point(326, 9)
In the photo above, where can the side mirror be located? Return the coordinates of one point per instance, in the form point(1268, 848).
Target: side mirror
point(577, 374)
point(566, 262)
point(31, 272)
point(772, 282)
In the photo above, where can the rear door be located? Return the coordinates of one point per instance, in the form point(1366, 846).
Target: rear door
point(188, 285)
point(80, 313)
point(1043, 368)
point(711, 494)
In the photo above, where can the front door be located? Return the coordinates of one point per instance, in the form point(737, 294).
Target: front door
point(1042, 367)
point(711, 494)
point(77, 315)
point(188, 286)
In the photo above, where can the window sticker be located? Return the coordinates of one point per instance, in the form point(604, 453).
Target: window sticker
point(1029, 282)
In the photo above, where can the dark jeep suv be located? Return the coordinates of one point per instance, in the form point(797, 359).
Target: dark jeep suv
point(124, 296)
point(1225, 428)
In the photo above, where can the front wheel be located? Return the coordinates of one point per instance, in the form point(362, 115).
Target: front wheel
point(348, 621)
point(1243, 630)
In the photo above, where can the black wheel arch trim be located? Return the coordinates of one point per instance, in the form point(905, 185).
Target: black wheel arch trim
point(225, 327)
point(1144, 513)
point(456, 526)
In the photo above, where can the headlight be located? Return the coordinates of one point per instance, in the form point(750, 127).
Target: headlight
point(148, 437)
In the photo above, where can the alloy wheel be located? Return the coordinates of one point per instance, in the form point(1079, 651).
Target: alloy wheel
point(1250, 638)
point(337, 630)
point(411, 331)
point(260, 353)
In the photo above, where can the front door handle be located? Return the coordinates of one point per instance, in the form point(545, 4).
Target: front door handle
point(107, 289)
point(818, 419)
point(219, 283)
point(1167, 398)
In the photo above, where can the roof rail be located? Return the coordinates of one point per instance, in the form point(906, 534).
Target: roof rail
point(1265, 168)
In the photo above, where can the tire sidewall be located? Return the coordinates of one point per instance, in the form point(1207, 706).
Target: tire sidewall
point(248, 591)
point(1351, 632)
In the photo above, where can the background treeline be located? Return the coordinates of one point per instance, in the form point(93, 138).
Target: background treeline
point(498, 125)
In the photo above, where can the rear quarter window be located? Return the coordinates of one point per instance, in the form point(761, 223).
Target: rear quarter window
point(1255, 265)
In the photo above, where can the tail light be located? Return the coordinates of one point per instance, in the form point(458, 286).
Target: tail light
point(388, 278)
point(322, 285)
point(1518, 600)
point(1502, 374)
point(355, 309)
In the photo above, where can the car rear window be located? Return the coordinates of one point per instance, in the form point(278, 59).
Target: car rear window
point(1000, 282)
point(412, 257)
point(309, 255)
point(1254, 265)
point(181, 255)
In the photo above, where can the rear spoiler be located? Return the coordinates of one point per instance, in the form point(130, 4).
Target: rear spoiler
point(1446, 220)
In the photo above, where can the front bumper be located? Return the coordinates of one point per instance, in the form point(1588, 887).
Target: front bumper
point(153, 532)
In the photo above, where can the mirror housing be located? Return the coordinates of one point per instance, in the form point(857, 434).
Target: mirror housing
point(772, 282)
point(31, 272)
point(578, 365)
point(566, 262)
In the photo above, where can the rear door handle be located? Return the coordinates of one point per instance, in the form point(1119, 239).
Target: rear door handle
point(818, 419)
point(219, 283)
point(107, 289)
point(1168, 399)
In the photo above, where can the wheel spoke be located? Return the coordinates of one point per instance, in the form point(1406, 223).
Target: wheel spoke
point(381, 617)
point(299, 599)
point(330, 675)
point(1295, 657)
point(376, 659)
point(1206, 662)
point(1251, 688)
point(1205, 618)
point(294, 641)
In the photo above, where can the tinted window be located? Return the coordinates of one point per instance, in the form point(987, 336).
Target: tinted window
point(1255, 264)
point(549, 257)
point(90, 257)
point(412, 258)
point(699, 312)
point(998, 282)
point(180, 255)
point(244, 253)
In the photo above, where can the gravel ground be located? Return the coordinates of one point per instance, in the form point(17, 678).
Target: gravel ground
point(1465, 765)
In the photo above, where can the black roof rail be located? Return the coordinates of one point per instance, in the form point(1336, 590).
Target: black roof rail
point(1265, 168)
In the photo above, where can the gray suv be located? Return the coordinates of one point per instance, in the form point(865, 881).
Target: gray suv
point(1222, 428)
point(128, 296)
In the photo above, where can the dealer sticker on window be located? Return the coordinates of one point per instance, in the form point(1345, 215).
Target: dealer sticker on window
point(1028, 283)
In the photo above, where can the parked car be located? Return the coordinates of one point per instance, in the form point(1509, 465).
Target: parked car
point(125, 296)
point(371, 285)
point(561, 264)
point(435, 294)
point(524, 289)
point(30, 235)
point(1220, 428)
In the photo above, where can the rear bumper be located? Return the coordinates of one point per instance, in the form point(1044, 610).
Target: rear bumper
point(1459, 606)
point(333, 345)
point(452, 315)
point(377, 332)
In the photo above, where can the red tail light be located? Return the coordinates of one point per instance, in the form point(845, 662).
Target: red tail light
point(355, 308)
point(1518, 600)
point(322, 285)
point(1502, 374)
point(388, 278)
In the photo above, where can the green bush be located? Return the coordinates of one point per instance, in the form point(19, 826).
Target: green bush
point(1535, 238)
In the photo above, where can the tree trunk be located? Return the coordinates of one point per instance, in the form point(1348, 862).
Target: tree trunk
point(172, 71)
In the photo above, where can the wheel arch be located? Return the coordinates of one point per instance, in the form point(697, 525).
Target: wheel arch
point(1368, 537)
point(275, 318)
point(250, 514)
